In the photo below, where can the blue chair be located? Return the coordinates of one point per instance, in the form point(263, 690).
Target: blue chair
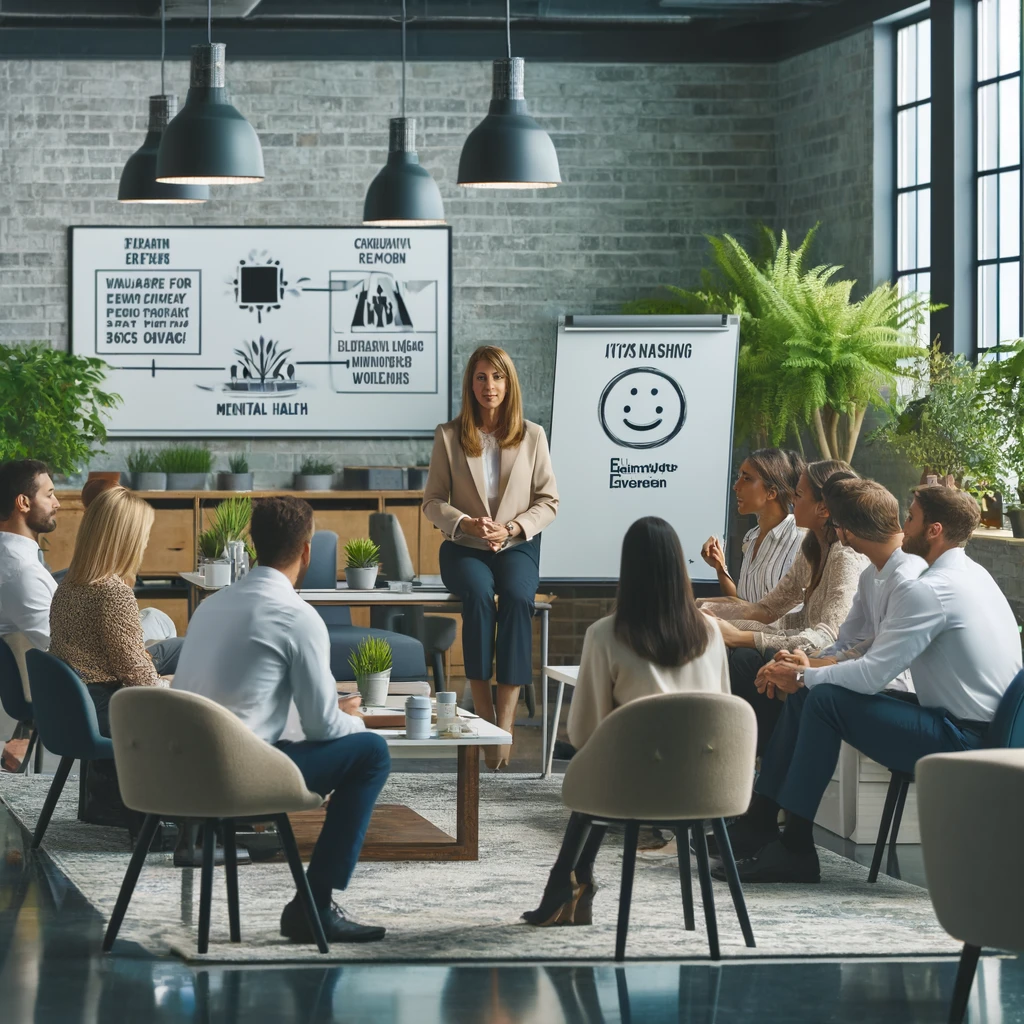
point(407, 657)
point(1006, 730)
point(12, 699)
point(65, 718)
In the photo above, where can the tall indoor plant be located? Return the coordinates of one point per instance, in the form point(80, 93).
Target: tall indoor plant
point(1002, 383)
point(52, 406)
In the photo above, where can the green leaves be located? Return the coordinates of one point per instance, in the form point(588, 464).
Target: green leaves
point(361, 553)
point(143, 460)
point(228, 521)
point(52, 406)
point(316, 467)
point(185, 458)
point(372, 655)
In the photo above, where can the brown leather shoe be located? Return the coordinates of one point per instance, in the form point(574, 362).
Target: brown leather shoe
point(14, 755)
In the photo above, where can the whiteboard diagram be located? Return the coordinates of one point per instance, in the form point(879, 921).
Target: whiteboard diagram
point(267, 331)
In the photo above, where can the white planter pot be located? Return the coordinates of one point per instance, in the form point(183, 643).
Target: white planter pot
point(149, 481)
point(217, 574)
point(374, 688)
point(319, 482)
point(360, 579)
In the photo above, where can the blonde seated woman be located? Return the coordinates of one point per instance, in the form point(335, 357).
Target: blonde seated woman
point(94, 622)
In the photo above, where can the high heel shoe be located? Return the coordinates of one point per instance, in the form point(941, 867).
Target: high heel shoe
point(554, 908)
point(583, 910)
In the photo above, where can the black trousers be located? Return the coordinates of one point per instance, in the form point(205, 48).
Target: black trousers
point(506, 632)
point(744, 664)
point(579, 851)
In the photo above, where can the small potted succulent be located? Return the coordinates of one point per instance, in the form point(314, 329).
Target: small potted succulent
point(315, 475)
point(144, 467)
point(239, 478)
point(361, 559)
point(186, 466)
point(215, 566)
point(371, 664)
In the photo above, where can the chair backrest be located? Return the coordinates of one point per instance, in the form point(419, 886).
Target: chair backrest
point(182, 755)
point(672, 757)
point(1007, 728)
point(386, 533)
point(972, 830)
point(323, 575)
point(62, 708)
point(12, 691)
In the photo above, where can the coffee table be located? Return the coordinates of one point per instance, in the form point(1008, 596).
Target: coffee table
point(397, 832)
point(565, 674)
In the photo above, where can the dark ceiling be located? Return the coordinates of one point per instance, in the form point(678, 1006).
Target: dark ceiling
point(610, 30)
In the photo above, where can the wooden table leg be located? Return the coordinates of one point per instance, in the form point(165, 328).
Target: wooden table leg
point(467, 822)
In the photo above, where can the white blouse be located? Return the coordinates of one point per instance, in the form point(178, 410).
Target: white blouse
point(492, 468)
point(761, 572)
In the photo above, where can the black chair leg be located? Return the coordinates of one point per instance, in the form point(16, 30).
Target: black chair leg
point(891, 795)
point(26, 761)
point(700, 845)
point(682, 833)
point(287, 837)
point(231, 876)
point(626, 889)
point(437, 661)
point(131, 876)
point(38, 766)
point(892, 863)
point(530, 696)
point(735, 888)
point(206, 884)
point(964, 982)
point(60, 776)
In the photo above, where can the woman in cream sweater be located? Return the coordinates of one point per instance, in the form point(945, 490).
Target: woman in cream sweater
point(656, 642)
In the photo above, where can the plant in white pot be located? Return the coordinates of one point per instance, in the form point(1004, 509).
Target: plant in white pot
point(315, 475)
point(144, 467)
point(362, 557)
point(371, 664)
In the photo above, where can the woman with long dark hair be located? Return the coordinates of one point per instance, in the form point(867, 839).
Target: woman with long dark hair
point(657, 641)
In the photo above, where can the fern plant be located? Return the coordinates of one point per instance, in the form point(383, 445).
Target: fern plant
point(361, 553)
point(373, 655)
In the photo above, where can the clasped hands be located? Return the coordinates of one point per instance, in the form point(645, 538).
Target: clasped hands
point(779, 675)
point(487, 530)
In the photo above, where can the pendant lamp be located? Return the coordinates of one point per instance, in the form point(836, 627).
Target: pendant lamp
point(138, 179)
point(209, 142)
point(403, 194)
point(508, 149)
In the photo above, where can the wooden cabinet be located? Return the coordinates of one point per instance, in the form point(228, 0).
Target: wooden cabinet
point(59, 545)
point(431, 539)
point(172, 542)
point(175, 607)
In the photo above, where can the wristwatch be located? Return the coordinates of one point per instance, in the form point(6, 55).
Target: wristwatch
point(509, 525)
point(799, 675)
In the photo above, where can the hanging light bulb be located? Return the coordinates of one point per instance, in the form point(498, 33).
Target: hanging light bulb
point(403, 194)
point(209, 142)
point(508, 149)
point(138, 178)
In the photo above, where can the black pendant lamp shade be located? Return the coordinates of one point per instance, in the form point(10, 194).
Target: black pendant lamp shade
point(138, 179)
point(403, 193)
point(508, 149)
point(209, 142)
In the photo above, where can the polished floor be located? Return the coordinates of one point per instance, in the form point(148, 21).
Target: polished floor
point(52, 972)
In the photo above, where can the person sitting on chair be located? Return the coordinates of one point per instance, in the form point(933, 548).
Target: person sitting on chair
point(657, 641)
point(952, 627)
point(257, 648)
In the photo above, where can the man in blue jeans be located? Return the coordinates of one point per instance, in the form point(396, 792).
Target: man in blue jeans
point(257, 648)
point(952, 627)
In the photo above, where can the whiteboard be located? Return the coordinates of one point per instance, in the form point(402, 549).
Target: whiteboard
point(641, 425)
point(240, 332)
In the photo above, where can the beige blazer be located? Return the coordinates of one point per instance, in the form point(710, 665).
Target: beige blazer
point(456, 488)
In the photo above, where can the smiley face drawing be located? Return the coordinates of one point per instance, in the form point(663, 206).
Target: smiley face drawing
point(642, 408)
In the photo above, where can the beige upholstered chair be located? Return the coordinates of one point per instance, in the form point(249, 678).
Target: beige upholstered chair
point(677, 760)
point(19, 644)
point(971, 809)
point(179, 755)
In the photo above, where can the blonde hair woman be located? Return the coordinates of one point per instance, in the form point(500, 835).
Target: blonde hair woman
point(491, 491)
point(94, 617)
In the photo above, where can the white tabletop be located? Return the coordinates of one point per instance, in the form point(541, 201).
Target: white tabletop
point(485, 734)
point(563, 673)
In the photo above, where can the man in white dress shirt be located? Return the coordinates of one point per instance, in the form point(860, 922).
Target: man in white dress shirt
point(255, 648)
point(954, 630)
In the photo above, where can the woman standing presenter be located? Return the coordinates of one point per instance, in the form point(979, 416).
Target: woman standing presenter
point(490, 491)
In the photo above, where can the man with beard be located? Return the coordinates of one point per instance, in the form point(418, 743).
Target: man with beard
point(28, 508)
point(256, 648)
point(951, 627)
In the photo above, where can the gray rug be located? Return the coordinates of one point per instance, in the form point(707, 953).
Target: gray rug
point(470, 911)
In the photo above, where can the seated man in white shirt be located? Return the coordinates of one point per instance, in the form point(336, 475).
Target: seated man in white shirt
point(952, 627)
point(255, 647)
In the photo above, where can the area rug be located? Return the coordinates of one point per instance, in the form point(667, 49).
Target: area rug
point(470, 911)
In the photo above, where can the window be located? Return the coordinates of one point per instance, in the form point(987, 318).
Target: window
point(999, 173)
point(913, 158)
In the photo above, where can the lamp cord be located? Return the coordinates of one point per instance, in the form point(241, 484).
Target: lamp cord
point(163, 46)
point(403, 57)
point(508, 27)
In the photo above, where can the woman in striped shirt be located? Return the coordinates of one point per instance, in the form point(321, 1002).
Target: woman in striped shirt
point(764, 488)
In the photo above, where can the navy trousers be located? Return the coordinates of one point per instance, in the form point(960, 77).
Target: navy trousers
point(476, 577)
point(804, 749)
point(353, 769)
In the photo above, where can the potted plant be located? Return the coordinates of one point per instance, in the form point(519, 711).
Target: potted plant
point(239, 478)
point(315, 475)
point(186, 466)
point(1002, 382)
point(371, 665)
point(361, 559)
point(215, 566)
point(144, 467)
point(52, 406)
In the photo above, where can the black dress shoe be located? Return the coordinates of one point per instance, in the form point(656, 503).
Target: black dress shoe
point(775, 863)
point(337, 927)
point(745, 839)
